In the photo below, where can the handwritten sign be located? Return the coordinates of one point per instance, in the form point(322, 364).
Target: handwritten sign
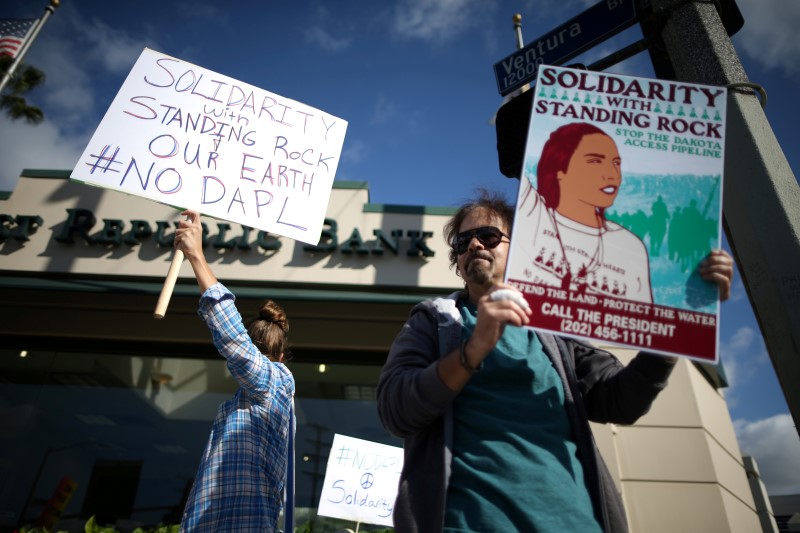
point(619, 202)
point(361, 481)
point(188, 137)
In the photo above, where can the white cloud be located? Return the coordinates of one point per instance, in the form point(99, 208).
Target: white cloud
point(738, 292)
point(438, 20)
point(775, 445)
point(319, 36)
point(731, 351)
point(203, 12)
point(559, 11)
point(743, 353)
point(115, 50)
point(354, 151)
point(94, 51)
point(741, 340)
point(769, 34)
point(327, 31)
point(68, 90)
point(43, 147)
point(384, 111)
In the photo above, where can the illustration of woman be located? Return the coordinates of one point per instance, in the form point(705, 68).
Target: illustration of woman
point(566, 240)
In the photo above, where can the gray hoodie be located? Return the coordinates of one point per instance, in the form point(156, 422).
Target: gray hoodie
point(414, 404)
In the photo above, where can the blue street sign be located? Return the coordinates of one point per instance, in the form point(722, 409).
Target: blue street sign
point(593, 26)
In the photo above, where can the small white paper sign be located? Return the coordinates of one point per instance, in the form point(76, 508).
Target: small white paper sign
point(361, 481)
point(188, 137)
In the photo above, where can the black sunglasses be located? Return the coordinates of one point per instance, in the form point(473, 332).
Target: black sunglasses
point(488, 236)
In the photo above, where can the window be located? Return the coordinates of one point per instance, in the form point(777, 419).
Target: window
point(137, 426)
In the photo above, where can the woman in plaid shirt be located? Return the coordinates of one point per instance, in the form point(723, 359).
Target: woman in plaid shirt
point(240, 481)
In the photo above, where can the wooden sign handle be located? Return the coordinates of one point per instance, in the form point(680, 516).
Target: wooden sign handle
point(169, 284)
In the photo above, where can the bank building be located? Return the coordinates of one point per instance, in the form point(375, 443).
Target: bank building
point(105, 410)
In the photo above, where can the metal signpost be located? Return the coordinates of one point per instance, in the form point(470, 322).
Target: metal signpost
point(761, 200)
point(598, 23)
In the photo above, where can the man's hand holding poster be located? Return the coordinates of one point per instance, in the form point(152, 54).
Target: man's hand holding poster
point(619, 202)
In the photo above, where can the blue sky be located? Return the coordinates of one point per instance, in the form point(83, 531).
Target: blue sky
point(414, 80)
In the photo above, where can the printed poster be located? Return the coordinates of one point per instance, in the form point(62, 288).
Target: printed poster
point(188, 137)
point(620, 199)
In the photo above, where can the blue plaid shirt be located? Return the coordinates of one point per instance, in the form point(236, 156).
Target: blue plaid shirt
point(240, 481)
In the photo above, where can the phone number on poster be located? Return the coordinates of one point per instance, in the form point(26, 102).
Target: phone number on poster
point(606, 332)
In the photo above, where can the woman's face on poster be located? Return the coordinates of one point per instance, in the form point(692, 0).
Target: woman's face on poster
point(593, 176)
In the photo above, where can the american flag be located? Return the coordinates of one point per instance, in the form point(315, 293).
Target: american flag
point(12, 34)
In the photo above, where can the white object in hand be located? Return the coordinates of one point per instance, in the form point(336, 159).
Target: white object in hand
point(508, 294)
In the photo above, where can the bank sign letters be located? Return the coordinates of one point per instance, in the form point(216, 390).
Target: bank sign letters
point(648, 165)
point(188, 137)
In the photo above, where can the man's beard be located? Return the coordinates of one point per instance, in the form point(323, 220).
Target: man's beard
point(479, 272)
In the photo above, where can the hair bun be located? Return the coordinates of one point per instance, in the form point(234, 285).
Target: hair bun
point(272, 312)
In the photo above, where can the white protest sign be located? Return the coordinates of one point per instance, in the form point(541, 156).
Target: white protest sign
point(188, 137)
point(361, 481)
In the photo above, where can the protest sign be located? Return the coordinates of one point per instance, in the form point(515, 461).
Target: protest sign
point(619, 202)
point(191, 138)
point(361, 481)
point(188, 137)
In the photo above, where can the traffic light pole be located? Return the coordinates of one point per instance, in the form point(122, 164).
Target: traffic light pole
point(761, 197)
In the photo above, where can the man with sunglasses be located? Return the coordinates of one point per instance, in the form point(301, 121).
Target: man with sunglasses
point(495, 417)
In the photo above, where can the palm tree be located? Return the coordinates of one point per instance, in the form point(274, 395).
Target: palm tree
point(12, 100)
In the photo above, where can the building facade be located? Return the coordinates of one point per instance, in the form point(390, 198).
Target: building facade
point(107, 409)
